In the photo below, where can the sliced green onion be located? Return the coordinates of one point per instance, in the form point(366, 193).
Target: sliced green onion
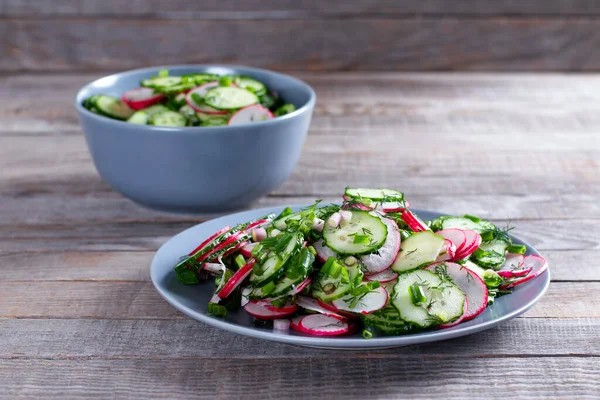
point(335, 270)
point(350, 261)
point(492, 279)
point(360, 239)
point(225, 81)
point(312, 250)
point(257, 249)
point(473, 218)
point(487, 236)
point(262, 257)
point(366, 334)
point(404, 234)
point(163, 73)
point(240, 261)
point(417, 294)
point(517, 248)
point(217, 310)
point(268, 288)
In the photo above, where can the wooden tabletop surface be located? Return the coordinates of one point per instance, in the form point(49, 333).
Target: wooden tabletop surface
point(80, 318)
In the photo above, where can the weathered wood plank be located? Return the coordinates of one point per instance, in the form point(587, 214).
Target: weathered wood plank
point(139, 300)
point(45, 338)
point(574, 265)
point(288, 9)
point(318, 377)
point(314, 44)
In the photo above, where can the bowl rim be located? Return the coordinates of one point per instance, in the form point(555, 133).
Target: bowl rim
point(193, 129)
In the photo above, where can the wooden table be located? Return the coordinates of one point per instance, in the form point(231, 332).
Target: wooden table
point(80, 318)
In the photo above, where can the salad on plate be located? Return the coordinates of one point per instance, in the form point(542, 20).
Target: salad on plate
point(369, 264)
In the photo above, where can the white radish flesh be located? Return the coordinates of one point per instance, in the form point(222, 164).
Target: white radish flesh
point(259, 311)
point(259, 234)
point(318, 224)
point(372, 301)
point(473, 240)
point(249, 114)
point(334, 220)
point(386, 255)
point(513, 267)
point(323, 252)
point(281, 325)
point(383, 277)
point(320, 325)
point(311, 304)
point(536, 263)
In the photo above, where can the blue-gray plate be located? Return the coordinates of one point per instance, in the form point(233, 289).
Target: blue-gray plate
point(192, 300)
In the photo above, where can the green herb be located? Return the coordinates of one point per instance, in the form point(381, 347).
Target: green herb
point(217, 310)
point(473, 218)
point(163, 73)
point(240, 261)
point(197, 98)
point(279, 303)
point(360, 239)
point(285, 109)
point(517, 248)
point(268, 288)
point(417, 294)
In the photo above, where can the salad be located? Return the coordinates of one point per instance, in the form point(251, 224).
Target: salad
point(369, 263)
point(200, 99)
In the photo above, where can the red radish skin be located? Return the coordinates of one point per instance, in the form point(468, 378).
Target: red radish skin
point(456, 236)
point(334, 309)
point(386, 255)
point(537, 264)
point(289, 307)
point(249, 114)
point(461, 318)
point(298, 289)
point(473, 240)
point(237, 247)
point(258, 224)
point(373, 301)
point(356, 206)
point(311, 304)
point(413, 221)
point(140, 98)
point(513, 267)
point(210, 239)
point(259, 311)
point(229, 241)
point(319, 325)
point(246, 251)
point(236, 280)
point(383, 277)
point(470, 284)
point(389, 207)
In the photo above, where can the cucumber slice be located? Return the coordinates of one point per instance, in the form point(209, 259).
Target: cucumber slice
point(113, 107)
point(272, 268)
point(364, 234)
point(252, 85)
point(229, 98)
point(159, 83)
point(388, 321)
point(466, 223)
point(475, 268)
point(155, 109)
point(373, 194)
point(328, 289)
point(419, 249)
point(177, 88)
point(139, 118)
point(190, 114)
point(168, 119)
point(491, 254)
point(445, 301)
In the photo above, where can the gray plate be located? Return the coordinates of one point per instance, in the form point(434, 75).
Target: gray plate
point(192, 300)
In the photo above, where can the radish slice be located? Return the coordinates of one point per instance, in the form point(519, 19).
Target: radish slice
point(237, 247)
point(249, 114)
point(259, 310)
point(201, 91)
point(323, 252)
point(258, 224)
point(298, 289)
point(461, 318)
point(393, 206)
point(215, 268)
point(246, 251)
point(281, 324)
point(473, 240)
point(386, 255)
point(536, 263)
point(383, 277)
point(320, 325)
point(469, 283)
point(456, 236)
point(141, 97)
point(414, 222)
point(372, 301)
point(334, 309)
point(356, 206)
point(210, 239)
point(513, 267)
point(448, 251)
point(311, 304)
point(236, 280)
point(289, 307)
point(229, 241)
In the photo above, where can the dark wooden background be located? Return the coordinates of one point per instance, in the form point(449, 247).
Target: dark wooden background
point(316, 35)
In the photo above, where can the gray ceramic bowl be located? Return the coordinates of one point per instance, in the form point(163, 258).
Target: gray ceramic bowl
point(196, 169)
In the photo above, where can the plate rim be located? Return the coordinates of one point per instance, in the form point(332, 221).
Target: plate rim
point(340, 343)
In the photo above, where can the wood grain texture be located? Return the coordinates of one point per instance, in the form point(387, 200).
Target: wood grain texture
point(318, 377)
point(139, 300)
point(71, 338)
point(508, 44)
point(566, 265)
point(289, 9)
